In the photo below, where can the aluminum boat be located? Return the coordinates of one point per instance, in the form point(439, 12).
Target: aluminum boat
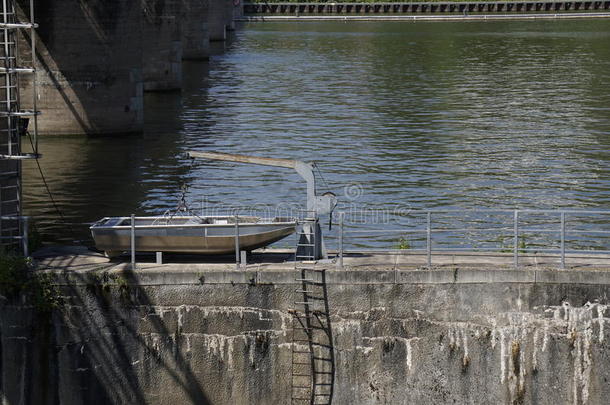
point(210, 235)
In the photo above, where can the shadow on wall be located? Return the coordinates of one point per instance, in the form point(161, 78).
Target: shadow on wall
point(89, 60)
point(90, 352)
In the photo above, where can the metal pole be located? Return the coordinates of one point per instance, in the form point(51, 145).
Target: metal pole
point(340, 261)
point(26, 248)
point(516, 238)
point(563, 240)
point(34, 79)
point(429, 238)
point(133, 242)
point(237, 241)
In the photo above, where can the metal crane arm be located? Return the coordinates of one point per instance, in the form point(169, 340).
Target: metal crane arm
point(305, 170)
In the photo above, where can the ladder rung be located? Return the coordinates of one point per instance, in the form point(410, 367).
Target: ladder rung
point(5, 26)
point(325, 384)
point(323, 372)
point(305, 303)
point(312, 282)
point(9, 174)
point(311, 297)
point(323, 359)
point(17, 70)
point(23, 113)
point(306, 244)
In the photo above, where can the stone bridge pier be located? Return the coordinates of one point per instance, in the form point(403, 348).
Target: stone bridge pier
point(95, 58)
point(161, 45)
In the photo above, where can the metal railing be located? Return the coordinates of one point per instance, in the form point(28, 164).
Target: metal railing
point(22, 238)
point(559, 232)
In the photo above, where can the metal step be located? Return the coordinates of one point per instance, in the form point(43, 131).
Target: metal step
point(22, 113)
point(16, 69)
point(12, 26)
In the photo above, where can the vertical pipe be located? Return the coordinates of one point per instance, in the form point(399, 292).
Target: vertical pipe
point(7, 81)
point(429, 238)
point(563, 240)
point(34, 82)
point(133, 242)
point(516, 238)
point(237, 241)
point(24, 240)
point(340, 261)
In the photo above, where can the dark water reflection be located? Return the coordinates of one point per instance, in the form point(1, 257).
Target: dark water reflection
point(448, 114)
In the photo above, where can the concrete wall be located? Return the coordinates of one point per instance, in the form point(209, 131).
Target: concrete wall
point(220, 19)
point(89, 66)
point(200, 336)
point(161, 45)
point(195, 29)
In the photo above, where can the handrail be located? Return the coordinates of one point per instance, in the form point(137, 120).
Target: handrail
point(555, 223)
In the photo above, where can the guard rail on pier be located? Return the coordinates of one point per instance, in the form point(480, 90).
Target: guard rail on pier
point(440, 7)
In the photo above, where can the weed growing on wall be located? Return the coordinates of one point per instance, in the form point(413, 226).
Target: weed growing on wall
point(18, 280)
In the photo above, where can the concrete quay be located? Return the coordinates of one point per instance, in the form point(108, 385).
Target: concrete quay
point(208, 333)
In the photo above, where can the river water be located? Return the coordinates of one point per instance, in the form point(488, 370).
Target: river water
point(397, 115)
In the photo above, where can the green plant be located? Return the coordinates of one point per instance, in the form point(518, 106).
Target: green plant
point(17, 278)
point(403, 244)
point(13, 274)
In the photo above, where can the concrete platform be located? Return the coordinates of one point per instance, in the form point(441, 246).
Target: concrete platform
point(276, 267)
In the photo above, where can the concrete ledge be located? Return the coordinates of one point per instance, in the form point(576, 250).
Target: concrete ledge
point(80, 266)
point(170, 275)
point(573, 277)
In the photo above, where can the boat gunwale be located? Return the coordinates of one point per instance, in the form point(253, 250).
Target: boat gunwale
point(99, 226)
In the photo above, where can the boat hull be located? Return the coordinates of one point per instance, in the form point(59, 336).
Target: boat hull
point(210, 239)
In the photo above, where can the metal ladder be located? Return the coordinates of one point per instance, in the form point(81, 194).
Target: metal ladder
point(313, 358)
point(14, 120)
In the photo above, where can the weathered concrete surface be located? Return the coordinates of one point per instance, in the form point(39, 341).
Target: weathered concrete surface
point(220, 19)
point(162, 45)
point(207, 333)
point(89, 63)
point(195, 29)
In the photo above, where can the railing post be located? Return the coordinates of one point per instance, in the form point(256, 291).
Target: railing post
point(237, 241)
point(429, 238)
point(340, 254)
point(516, 238)
point(24, 240)
point(563, 240)
point(133, 241)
